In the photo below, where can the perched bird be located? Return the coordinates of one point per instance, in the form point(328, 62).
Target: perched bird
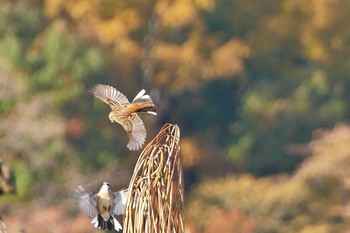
point(124, 113)
point(102, 206)
point(7, 180)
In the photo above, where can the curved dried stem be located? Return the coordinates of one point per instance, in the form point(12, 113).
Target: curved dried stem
point(156, 200)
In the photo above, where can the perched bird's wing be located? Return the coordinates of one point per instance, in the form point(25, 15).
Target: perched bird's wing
point(86, 201)
point(111, 96)
point(120, 199)
point(136, 132)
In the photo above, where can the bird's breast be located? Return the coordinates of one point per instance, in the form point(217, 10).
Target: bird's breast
point(105, 205)
point(117, 116)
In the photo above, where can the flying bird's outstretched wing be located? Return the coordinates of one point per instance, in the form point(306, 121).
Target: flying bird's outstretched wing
point(136, 132)
point(86, 201)
point(120, 199)
point(111, 96)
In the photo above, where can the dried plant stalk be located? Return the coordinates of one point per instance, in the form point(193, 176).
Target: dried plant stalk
point(156, 200)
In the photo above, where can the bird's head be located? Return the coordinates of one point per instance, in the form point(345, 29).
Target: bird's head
point(106, 187)
point(111, 114)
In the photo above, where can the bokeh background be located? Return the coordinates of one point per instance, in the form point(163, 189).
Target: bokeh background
point(259, 89)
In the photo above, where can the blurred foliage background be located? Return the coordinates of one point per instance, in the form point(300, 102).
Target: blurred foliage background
point(259, 89)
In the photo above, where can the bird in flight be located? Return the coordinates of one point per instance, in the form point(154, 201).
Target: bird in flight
point(125, 113)
point(102, 206)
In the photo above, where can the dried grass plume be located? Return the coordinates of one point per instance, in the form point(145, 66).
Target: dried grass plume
point(156, 200)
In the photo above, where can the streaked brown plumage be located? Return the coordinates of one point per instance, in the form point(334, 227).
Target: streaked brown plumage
point(124, 112)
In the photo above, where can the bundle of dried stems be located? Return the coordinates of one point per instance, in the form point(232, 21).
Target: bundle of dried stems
point(156, 200)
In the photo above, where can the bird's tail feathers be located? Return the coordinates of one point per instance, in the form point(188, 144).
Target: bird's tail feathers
point(111, 224)
point(140, 95)
point(144, 103)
